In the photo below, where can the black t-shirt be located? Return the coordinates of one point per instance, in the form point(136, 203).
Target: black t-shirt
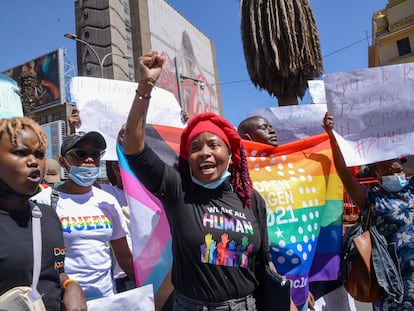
point(16, 253)
point(215, 237)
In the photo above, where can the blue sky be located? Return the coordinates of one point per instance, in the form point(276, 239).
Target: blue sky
point(33, 28)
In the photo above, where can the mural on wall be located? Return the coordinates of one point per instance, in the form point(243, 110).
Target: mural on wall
point(187, 51)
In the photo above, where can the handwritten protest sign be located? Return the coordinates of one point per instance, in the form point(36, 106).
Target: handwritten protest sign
point(293, 122)
point(104, 106)
point(10, 103)
point(317, 91)
point(374, 112)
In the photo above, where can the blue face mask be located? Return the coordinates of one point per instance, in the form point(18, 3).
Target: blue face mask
point(84, 176)
point(214, 184)
point(394, 183)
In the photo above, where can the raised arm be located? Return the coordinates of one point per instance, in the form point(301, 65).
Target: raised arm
point(355, 190)
point(150, 66)
point(74, 121)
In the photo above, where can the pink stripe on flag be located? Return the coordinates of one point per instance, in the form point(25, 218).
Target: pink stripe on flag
point(150, 254)
point(134, 189)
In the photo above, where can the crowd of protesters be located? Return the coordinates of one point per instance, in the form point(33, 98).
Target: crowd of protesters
point(213, 268)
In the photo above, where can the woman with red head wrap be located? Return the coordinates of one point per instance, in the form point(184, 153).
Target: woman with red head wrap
point(210, 204)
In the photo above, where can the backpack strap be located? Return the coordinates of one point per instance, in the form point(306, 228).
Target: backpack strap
point(54, 198)
point(37, 250)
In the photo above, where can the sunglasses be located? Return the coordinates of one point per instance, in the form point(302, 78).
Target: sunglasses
point(82, 154)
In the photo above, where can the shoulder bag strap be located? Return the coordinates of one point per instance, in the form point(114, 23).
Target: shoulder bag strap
point(54, 198)
point(368, 220)
point(37, 250)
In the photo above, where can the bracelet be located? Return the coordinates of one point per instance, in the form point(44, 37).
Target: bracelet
point(67, 281)
point(141, 97)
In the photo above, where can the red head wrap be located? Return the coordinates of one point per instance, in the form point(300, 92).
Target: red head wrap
point(212, 123)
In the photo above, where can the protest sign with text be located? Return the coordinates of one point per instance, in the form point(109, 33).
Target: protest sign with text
point(374, 112)
point(293, 122)
point(104, 105)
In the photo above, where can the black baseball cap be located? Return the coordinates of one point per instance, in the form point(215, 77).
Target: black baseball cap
point(70, 141)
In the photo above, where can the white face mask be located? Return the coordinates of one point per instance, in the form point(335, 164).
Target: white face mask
point(394, 183)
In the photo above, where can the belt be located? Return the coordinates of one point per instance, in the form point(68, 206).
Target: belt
point(227, 303)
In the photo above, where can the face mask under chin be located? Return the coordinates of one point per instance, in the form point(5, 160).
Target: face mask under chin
point(214, 184)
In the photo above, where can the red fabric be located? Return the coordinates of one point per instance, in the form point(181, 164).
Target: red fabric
point(210, 122)
point(205, 126)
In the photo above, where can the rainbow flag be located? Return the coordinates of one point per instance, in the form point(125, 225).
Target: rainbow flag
point(304, 206)
point(304, 198)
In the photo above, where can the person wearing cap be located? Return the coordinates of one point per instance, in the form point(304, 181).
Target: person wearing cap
point(392, 204)
point(52, 172)
point(210, 204)
point(91, 218)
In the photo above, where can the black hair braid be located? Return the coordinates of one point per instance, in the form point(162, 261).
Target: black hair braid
point(240, 179)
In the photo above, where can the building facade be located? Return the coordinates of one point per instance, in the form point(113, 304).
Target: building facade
point(106, 26)
point(115, 28)
point(393, 34)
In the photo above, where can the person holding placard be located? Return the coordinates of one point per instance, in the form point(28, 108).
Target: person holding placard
point(392, 203)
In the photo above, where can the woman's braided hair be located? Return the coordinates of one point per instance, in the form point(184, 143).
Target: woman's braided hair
point(14, 127)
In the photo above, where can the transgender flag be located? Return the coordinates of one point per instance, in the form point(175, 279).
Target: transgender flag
point(150, 231)
point(303, 194)
point(304, 198)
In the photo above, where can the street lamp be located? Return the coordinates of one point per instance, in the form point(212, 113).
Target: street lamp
point(100, 61)
point(201, 82)
point(179, 78)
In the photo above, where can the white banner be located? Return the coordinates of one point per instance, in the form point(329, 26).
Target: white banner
point(374, 112)
point(137, 299)
point(293, 122)
point(104, 105)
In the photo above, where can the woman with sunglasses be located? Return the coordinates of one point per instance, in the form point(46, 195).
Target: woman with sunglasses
point(92, 220)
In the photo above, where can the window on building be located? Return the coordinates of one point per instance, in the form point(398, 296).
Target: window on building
point(404, 47)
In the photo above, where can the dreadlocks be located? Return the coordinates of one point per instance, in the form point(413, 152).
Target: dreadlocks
point(14, 127)
point(240, 179)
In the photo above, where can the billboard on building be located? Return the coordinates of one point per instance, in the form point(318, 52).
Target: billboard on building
point(189, 51)
point(46, 74)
